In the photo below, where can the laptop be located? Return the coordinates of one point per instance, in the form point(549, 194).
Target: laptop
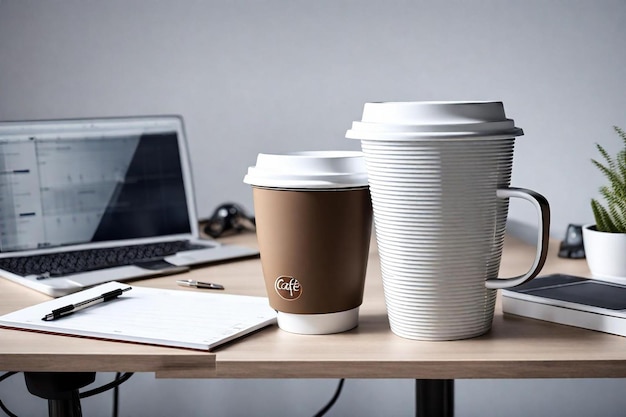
point(83, 202)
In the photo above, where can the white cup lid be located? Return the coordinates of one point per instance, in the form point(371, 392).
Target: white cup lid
point(309, 170)
point(433, 120)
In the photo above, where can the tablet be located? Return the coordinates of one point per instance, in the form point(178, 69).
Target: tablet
point(570, 300)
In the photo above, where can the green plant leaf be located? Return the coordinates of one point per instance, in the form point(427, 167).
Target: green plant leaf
point(615, 210)
point(612, 216)
point(602, 217)
point(621, 133)
point(606, 156)
point(621, 171)
point(609, 172)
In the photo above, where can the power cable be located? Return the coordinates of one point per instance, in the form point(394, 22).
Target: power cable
point(2, 406)
point(6, 410)
point(332, 401)
point(119, 379)
point(113, 384)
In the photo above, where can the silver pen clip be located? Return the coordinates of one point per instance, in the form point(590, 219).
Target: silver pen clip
point(199, 284)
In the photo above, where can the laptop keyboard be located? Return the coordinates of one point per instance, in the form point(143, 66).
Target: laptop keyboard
point(65, 263)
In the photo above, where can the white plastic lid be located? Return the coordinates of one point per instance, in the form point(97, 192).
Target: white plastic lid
point(314, 169)
point(433, 120)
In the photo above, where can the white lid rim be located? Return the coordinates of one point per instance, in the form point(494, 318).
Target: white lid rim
point(309, 170)
point(413, 136)
point(324, 154)
point(304, 185)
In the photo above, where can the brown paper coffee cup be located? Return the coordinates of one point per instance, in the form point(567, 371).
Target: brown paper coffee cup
point(314, 233)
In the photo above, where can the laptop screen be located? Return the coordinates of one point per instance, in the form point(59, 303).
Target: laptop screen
point(63, 188)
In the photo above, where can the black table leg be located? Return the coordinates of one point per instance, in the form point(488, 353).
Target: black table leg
point(60, 389)
point(434, 397)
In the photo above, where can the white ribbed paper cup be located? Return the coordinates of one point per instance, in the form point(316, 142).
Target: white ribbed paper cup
point(434, 170)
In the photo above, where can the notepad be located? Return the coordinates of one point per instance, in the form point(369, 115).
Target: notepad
point(187, 319)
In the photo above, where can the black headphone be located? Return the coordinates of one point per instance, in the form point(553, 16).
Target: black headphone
point(229, 218)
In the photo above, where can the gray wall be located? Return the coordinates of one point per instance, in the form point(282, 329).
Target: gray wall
point(270, 76)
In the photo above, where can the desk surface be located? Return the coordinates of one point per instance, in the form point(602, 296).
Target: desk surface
point(515, 348)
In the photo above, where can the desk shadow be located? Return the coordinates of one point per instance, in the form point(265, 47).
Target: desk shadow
point(242, 339)
point(371, 324)
point(505, 327)
point(512, 327)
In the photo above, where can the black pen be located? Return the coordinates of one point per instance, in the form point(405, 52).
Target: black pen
point(72, 308)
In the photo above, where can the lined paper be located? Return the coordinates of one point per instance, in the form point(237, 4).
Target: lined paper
point(197, 320)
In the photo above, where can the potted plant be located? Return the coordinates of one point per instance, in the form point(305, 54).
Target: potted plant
point(605, 242)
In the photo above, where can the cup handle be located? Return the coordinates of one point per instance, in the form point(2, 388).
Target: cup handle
point(543, 210)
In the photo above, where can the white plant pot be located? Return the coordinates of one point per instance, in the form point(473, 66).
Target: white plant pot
point(606, 254)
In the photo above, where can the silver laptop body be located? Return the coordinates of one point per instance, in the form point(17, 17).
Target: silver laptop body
point(86, 184)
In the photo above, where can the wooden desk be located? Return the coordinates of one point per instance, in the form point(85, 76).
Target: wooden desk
point(515, 348)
